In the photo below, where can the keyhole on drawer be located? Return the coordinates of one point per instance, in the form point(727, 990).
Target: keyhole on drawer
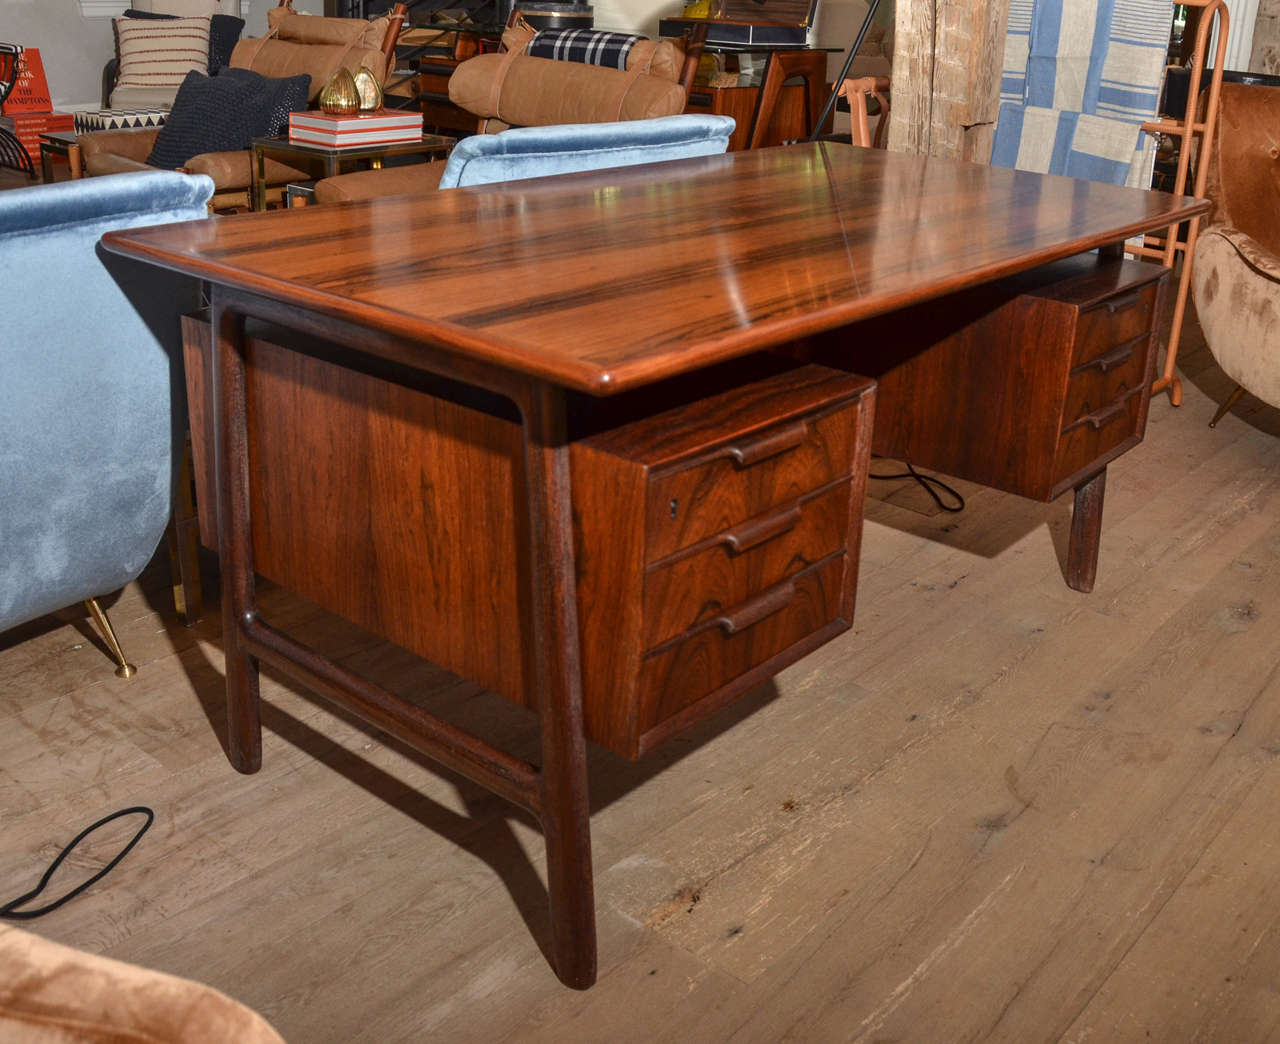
point(675, 508)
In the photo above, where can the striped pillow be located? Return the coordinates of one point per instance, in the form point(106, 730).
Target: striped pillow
point(157, 54)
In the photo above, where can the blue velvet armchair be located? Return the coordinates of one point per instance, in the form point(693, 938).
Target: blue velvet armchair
point(534, 152)
point(91, 401)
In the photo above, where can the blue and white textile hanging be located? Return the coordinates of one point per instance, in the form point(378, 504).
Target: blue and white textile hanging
point(1090, 74)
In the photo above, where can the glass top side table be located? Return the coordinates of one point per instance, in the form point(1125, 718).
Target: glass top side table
point(333, 159)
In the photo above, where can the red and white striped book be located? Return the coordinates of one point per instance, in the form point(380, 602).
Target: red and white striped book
point(374, 128)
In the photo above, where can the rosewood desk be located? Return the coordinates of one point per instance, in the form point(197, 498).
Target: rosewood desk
point(439, 356)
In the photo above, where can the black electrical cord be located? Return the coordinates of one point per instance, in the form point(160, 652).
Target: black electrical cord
point(927, 482)
point(8, 911)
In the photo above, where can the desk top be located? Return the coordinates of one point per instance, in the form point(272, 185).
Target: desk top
point(613, 279)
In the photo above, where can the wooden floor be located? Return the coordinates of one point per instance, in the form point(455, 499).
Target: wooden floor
point(995, 810)
point(13, 179)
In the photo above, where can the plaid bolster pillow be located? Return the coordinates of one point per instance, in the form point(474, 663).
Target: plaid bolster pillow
point(588, 46)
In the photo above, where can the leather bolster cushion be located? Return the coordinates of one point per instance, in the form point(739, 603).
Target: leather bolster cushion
point(283, 58)
point(234, 170)
point(288, 24)
point(409, 180)
point(661, 58)
point(539, 92)
point(116, 151)
point(111, 163)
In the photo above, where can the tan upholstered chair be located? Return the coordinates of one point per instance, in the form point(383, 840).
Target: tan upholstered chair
point(53, 994)
point(515, 89)
point(294, 44)
point(1236, 278)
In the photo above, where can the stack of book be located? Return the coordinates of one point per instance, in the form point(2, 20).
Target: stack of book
point(373, 128)
point(28, 110)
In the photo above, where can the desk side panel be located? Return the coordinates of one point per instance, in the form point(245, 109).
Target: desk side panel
point(391, 507)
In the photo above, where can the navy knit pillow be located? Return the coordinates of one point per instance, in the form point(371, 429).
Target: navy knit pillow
point(276, 98)
point(224, 32)
point(224, 113)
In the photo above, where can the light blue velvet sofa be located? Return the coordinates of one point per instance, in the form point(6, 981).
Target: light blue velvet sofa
point(534, 152)
point(91, 390)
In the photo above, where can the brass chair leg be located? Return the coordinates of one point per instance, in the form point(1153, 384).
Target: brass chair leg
point(1232, 399)
point(125, 669)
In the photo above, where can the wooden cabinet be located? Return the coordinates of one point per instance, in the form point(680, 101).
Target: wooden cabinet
point(788, 121)
point(433, 97)
point(716, 541)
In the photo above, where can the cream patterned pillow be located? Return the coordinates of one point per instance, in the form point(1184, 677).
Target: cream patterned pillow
point(156, 54)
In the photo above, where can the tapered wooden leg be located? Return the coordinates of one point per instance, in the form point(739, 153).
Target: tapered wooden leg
point(1225, 408)
point(767, 101)
point(1086, 533)
point(183, 537)
point(565, 810)
point(231, 448)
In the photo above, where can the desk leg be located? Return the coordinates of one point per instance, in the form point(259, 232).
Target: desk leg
point(258, 200)
point(1086, 533)
point(231, 452)
point(564, 806)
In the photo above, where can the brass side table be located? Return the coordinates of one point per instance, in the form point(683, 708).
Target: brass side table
point(332, 160)
point(60, 143)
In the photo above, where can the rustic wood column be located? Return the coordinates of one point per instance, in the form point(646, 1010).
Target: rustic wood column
point(946, 76)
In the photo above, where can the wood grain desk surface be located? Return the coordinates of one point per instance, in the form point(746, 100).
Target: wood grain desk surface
point(613, 279)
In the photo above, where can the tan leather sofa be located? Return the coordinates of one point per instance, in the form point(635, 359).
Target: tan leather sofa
point(514, 89)
point(294, 44)
point(1236, 277)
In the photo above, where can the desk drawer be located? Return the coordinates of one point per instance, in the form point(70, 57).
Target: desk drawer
point(1105, 379)
point(744, 478)
point(1095, 434)
point(1118, 319)
point(736, 565)
point(707, 657)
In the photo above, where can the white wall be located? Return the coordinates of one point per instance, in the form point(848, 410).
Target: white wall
point(73, 48)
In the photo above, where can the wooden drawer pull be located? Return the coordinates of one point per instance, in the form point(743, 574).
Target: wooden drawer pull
point(1122, 304)
point(770, 445)
point(772, 601)
point(757, 530)
point(1099, 419)
point(1112, 359)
